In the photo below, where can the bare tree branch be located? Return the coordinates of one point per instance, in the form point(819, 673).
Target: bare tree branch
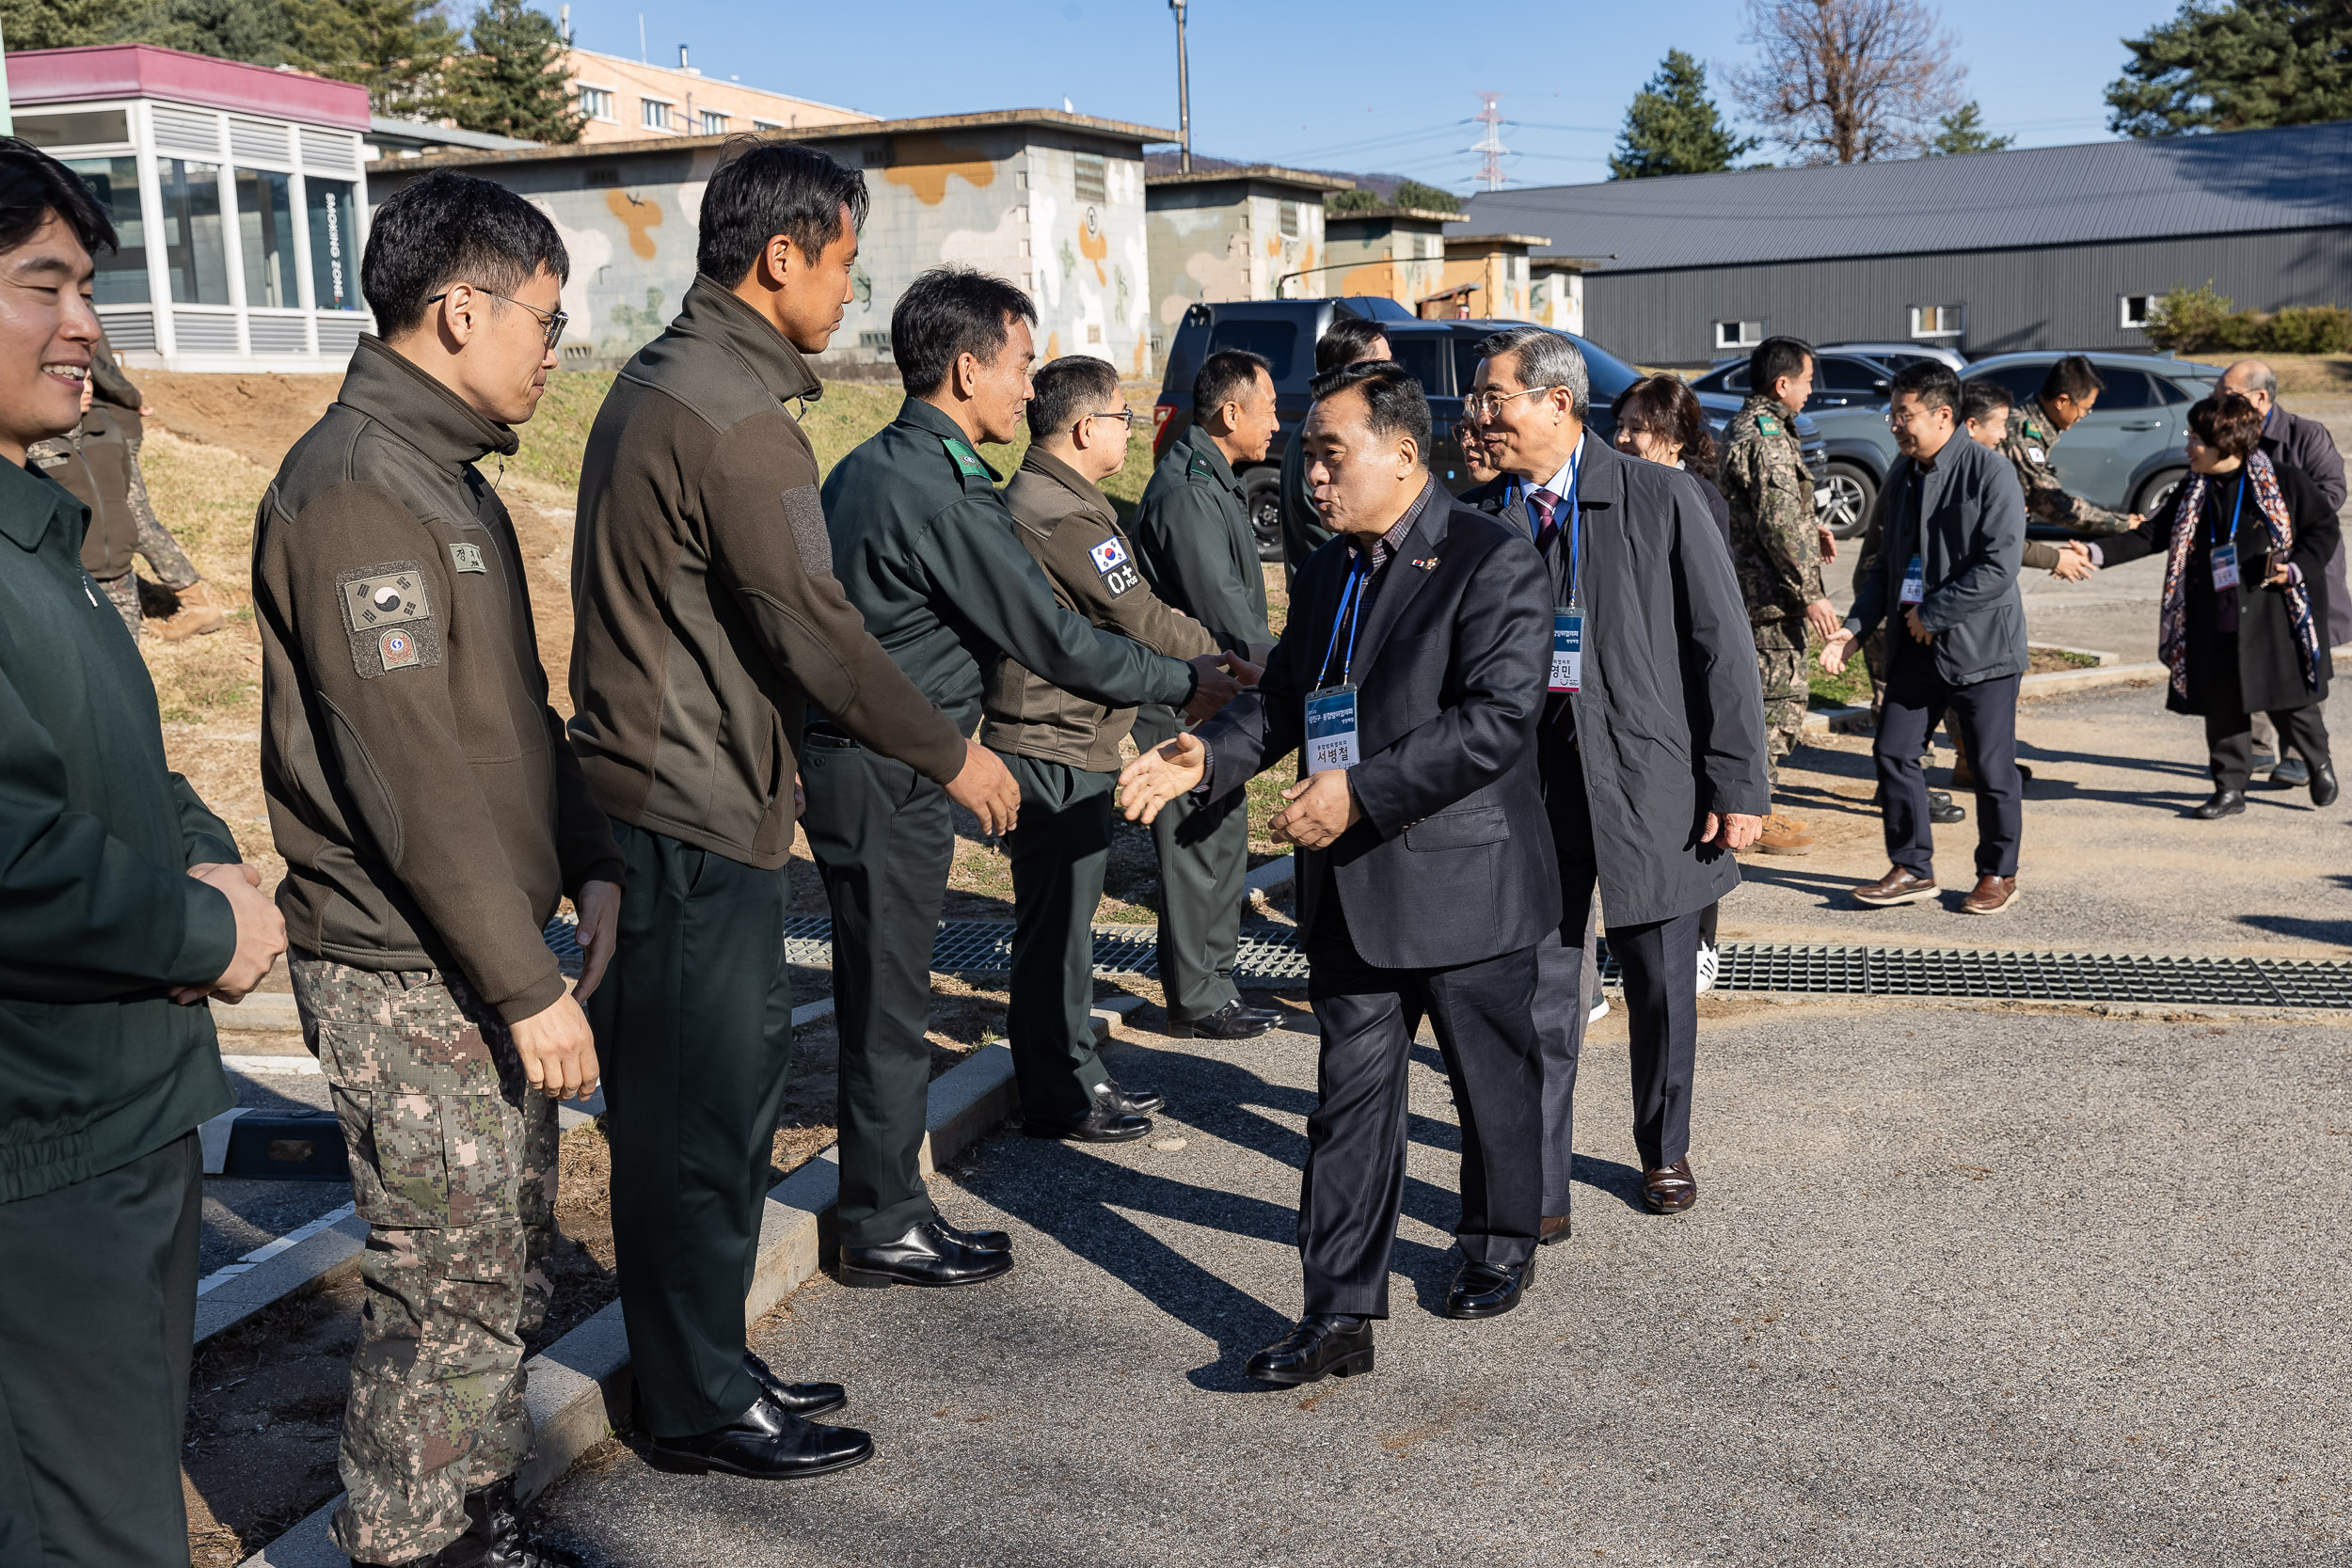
point(1848, 81)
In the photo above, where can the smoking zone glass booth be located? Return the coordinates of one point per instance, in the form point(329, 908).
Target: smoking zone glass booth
point(238, 192)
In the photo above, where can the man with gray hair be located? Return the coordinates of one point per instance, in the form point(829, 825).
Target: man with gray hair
point(2292, 441)
point(1653, 664)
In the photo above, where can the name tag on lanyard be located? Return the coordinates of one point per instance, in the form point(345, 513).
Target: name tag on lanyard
point(1568, 649)
point(2224, 567)
point(1331, 729)
point(1914, 582)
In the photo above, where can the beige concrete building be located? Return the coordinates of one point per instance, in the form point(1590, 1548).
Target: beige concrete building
point(630, 102)
point(1396, 251)
point(1229, 232)
point(1486, 277)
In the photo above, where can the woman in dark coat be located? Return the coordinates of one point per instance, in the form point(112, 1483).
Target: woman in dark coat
point(2245, 598)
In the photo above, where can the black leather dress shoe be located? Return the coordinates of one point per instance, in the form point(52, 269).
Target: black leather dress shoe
point(2225, 802)
point(926, 1255)
point(1134, 1102)
point(1321, 1346)
point(1487, 1289)
point(1232, 1021)
point(1943, 810)
point(979, 1240)
point(1101, 1125)
point(765, 1444)
point(795, 1399)
point(2322, 785)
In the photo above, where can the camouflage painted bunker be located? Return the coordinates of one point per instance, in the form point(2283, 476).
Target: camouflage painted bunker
point(1051, 200)
point(1232, 232)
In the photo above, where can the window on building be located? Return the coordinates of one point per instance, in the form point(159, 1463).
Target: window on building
point(653, 113)
point(334, 244)
point(89, 128)
point(265, 238)
point(596, 103)
point(1738, 334)
point(2135, 310)
point(1290, 220)
point(714, 123)
point(122, 276)
point(195, 251)
point(1090, 178)
point(1935, 321)
point(766, 125)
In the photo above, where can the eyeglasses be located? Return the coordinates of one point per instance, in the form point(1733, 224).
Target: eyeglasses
point(1125, 417)
point(553, 320)
point(1486, 405)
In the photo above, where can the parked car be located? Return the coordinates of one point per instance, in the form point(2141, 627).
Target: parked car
point(1840, 381)
point(2130, 450)
point(1442, 355)
point(1901, 356)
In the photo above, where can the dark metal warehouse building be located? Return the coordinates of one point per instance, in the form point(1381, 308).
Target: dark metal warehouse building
point(2049, 248)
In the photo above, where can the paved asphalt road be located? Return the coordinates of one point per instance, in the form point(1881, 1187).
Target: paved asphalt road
point(1965, 1287)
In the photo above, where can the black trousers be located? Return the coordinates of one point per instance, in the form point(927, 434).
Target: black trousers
point(884, 838)
point(2230, 753)
point(1917, 700)
point(97, 1329)
point(1205, 865)
point(1354, 1185)
point(693, 1028)
point(1059, 853)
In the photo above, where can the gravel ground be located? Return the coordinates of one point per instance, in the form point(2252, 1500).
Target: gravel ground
point(2035, 1287)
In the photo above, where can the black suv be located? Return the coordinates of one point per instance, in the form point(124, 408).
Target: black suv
point(1442, 355)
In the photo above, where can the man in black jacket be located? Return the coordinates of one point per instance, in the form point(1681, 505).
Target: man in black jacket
point(1946, 581)
point(1410, 679)
point(1652, 743)
point(123, 905)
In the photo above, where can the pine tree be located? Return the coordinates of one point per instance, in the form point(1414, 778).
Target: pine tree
point(1427, 198)
point(399, 50)
point(2235, 66)
point(514, 82)
point(1673, 127)
point(1962, 130)
point(57, 24)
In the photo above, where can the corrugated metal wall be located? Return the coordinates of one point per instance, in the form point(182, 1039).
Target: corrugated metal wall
point(2047, 298)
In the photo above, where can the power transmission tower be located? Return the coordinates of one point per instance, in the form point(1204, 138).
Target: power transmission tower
point(1490, 149)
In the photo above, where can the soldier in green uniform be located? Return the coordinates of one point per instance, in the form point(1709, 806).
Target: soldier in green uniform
point(124, 907)
point(2070, 391)
point(1348, 340)
point(1778, 548)
point(1201, 555)
point(432, 819)
point(926, 552)
point(1063, 748)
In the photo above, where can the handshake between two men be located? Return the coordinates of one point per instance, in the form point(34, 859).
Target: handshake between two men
point(987, 789)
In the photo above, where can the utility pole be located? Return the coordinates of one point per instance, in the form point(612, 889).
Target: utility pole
point(1490, 149)
point(1183, 93)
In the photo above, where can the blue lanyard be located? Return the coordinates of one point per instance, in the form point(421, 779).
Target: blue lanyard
point(1350, 608)
point(2236, 507)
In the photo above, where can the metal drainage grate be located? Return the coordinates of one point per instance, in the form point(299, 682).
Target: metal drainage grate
point(1269, 955)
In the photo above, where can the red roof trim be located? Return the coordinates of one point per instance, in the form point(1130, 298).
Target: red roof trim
point(144, 71)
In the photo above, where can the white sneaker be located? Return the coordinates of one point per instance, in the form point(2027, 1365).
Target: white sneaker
point(1708, 963)
point(1601, 1010)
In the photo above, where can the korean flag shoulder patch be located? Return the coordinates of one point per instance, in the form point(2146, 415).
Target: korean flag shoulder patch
point(388, 612)
point(1118, 568)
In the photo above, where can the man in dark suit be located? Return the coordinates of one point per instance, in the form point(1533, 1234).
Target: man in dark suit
point(1411, 675)
point(1652, 742)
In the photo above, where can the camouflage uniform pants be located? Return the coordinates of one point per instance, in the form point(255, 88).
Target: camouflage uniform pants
point(453, 1165)
point(124, 593)
point(1780, 660)
point(170, 562)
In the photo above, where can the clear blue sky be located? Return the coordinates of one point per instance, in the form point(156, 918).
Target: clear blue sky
point(1373, 85)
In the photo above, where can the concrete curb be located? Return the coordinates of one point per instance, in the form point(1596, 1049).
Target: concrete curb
point(1272, 879)
point(263, 1010)
point(580, 1392)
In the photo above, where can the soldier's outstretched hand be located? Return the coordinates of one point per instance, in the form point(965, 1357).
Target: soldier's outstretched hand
point(1161, 773)
point(1213, 688)
point(1834, 651)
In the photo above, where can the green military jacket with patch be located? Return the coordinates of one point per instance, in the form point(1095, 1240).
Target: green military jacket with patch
point(1775, 543)
point(924, 548)
point(2032, 436)
point(1199, 551)
point(98, 918)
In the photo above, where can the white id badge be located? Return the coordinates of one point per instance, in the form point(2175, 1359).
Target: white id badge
point(1568, 650)
point(1914, 582)
point(1331, 729)
point(2224, 566)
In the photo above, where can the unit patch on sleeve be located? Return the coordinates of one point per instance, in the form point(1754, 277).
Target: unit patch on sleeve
point(388, 616)
point(466, 558)
point(1111, 558)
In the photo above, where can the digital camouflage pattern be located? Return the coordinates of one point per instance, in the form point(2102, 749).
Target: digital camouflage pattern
point(1776, 542)
point(2031, 438)
point(1780, 665)
point(453, 1165)
point(172, 565)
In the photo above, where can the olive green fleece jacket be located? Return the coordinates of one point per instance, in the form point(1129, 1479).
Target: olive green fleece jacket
point(708, 619)
point(98, 919)
point(419, 784)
